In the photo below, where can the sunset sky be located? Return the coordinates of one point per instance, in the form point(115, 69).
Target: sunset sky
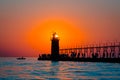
point(26, 26)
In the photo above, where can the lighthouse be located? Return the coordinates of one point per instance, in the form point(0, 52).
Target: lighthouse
point(55, 47)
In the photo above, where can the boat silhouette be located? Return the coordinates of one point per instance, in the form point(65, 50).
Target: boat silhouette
point(21, 58)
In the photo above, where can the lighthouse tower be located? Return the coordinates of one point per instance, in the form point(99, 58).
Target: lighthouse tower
point(55, 47)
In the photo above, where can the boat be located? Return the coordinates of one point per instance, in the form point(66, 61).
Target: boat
point(21, 58)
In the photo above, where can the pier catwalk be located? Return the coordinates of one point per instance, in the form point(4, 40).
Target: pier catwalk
point(108, 52)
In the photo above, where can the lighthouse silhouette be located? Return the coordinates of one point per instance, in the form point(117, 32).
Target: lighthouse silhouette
point(55, 47)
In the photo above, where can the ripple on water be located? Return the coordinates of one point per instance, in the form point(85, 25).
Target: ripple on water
point(32, 69)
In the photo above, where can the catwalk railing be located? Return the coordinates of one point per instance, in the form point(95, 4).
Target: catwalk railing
point(89, 53)
point(111, 50)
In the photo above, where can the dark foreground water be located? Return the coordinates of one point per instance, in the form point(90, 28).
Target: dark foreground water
point(32, 69)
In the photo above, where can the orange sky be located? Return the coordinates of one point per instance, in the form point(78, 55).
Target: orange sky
point(69, 35)
point(26, 26)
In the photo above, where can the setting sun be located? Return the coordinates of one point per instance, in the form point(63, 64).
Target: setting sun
point(39, 37)
point(56, 36)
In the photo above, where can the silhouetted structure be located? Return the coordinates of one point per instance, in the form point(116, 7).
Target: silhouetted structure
point(55, 47)
point(95, 53)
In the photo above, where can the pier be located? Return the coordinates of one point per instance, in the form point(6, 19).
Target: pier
point(108, 52)
point(105, 52)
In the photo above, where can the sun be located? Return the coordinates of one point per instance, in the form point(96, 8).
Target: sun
point(40, 36)
point(56, 36)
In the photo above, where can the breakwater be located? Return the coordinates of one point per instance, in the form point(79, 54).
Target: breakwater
point(109, 52)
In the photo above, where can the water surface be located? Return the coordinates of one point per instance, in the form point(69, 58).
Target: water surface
point(31, 68)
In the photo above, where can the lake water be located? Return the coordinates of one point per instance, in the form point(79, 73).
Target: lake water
point(32, 69)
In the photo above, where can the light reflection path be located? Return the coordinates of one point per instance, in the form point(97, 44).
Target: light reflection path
point(31, 68)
